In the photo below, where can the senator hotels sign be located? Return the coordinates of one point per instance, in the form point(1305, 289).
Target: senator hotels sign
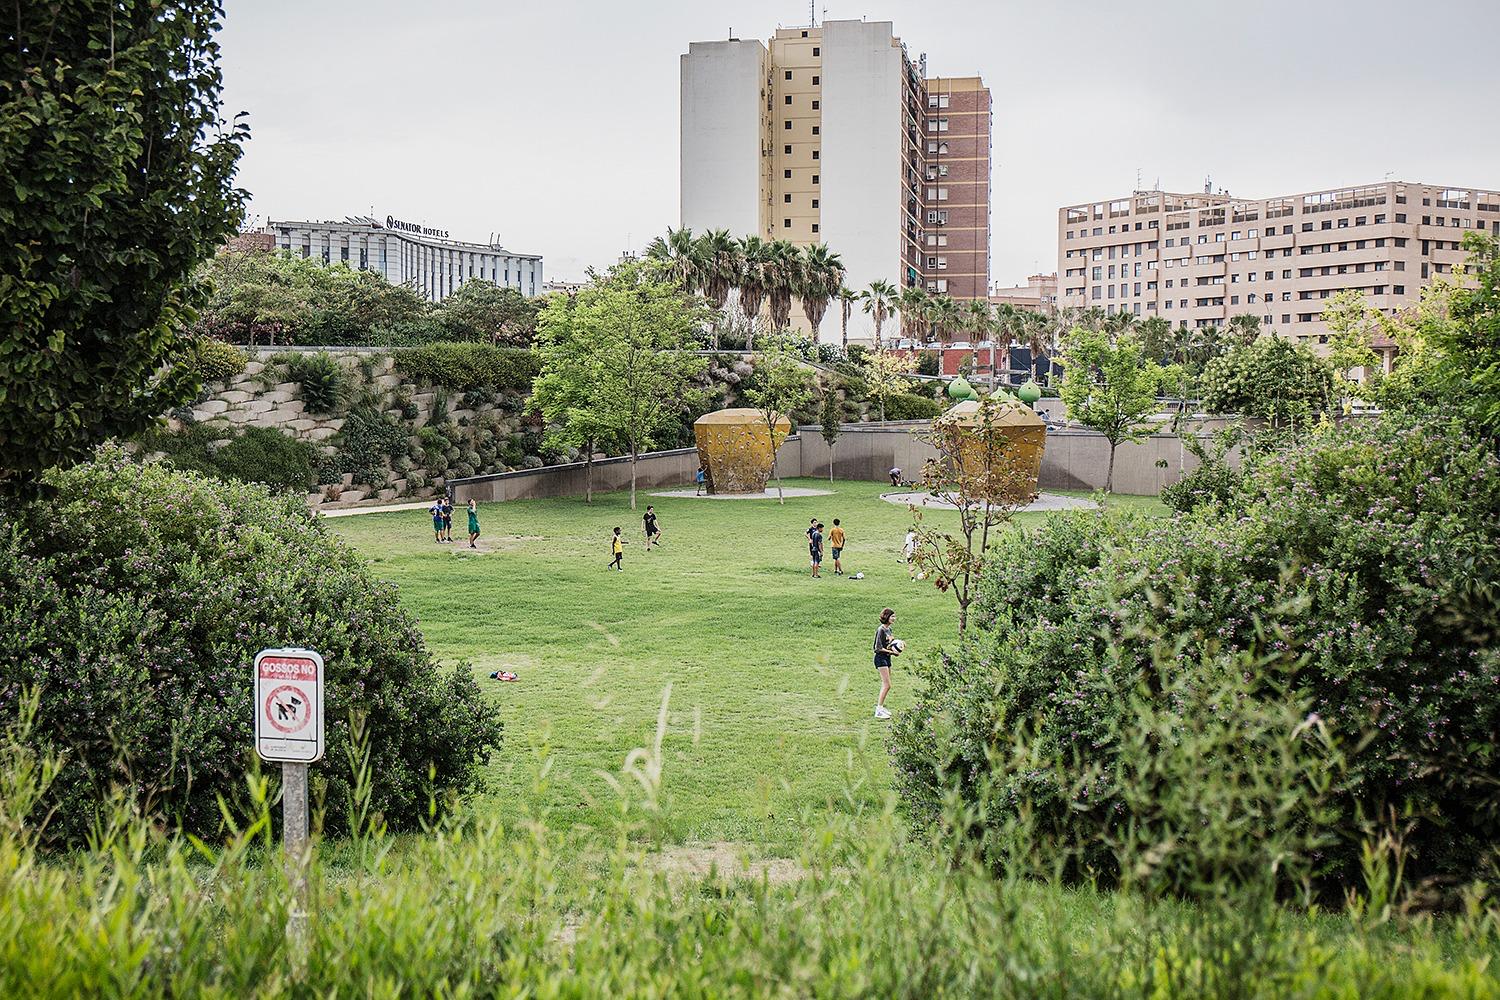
point(391, 222)
point(289, 705)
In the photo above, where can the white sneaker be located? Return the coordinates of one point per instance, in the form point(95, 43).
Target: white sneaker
point(881, 712)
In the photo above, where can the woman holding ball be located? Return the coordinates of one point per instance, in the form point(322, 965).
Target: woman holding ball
point(886, 646)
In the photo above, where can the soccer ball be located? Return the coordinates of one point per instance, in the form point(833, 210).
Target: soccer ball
point(921, 576)
point(859, 576)
point(897, 646)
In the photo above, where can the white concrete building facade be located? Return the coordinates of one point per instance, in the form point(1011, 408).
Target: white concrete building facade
point(407, 254)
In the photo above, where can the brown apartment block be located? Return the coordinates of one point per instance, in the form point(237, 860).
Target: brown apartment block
point(956, 194)
point(1199, 259)
point(833, 134)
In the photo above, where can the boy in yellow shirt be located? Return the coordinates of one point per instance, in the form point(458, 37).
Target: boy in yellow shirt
point(836, 543)
point(617, 547)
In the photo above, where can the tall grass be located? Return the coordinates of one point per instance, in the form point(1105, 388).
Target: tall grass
point(476, 908)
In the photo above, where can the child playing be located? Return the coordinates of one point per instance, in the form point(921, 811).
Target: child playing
point(836, 543)
point(653, 533)
point(617, 546)
point(473, 523)
point(909, 551)
point(437, 521)
point(447, 505)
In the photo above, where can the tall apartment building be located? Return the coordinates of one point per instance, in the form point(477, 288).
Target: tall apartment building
point(1199, 259)
point(833, 134)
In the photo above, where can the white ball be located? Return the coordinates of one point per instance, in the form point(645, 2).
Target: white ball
point(859, 576)
point(921, 576)
point(898, 645)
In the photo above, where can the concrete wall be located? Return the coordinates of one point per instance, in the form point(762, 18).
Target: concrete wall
point(722, 100)
point(862, 165)
point(1073, 460)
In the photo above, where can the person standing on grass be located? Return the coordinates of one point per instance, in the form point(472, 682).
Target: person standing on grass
point(447, 519)
point(653, 533)
point(909, 552)
point(473, 523)
point(886, 646)
point(815, 547)
point(437, 520)
point(617, 546)
point(836, 543)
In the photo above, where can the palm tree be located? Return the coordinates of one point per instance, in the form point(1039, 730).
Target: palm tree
point(1244, 328)
point(879, 298)
point(820, 279)
point(913, 303)
point(944, 315)
point(847, 297)
point(752, 282)
point(783, 266)
point(1041, 333)
point(677, 251)
point(978, 321)
point(716, 257)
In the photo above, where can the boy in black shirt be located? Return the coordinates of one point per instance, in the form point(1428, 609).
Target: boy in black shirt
point(653, 533)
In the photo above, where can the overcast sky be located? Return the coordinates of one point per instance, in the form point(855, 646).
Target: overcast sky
point(554, 124)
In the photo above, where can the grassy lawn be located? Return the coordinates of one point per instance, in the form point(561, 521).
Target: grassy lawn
point(772, 687)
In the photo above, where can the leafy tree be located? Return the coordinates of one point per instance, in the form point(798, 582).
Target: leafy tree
point(820, 277)
point(484, 311)
point(782, 269)
point(1471, 343)
point(980, 473)
point(831, 417)
point(1243, 329)
point(1273, 379)
point(118, 181)
point(1350, 327)
point(564, 392)
point(1108, 386)
point(633, 329)
point(753, 258)
point(885, 373)
point(779, 386)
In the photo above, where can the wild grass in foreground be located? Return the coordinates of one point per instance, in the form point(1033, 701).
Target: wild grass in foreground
point(479, 908)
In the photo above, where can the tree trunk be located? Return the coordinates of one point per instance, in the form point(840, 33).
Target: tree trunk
point(1109, 478)
point(831, 445)
point(633, 457)
point(588, 476)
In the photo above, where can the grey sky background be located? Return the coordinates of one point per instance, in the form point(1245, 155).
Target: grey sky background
point(554, 125)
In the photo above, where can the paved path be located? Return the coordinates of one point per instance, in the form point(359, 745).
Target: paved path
point(382, 509)
point(1045, 502)
point(769, 494)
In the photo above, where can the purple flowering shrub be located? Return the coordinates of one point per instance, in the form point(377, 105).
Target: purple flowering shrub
point(135, 600)
point(1357, 577)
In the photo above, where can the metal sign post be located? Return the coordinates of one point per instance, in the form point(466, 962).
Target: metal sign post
point(289, 729)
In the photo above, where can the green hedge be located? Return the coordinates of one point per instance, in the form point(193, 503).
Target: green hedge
point(469, 366)
point(909, 406)
point(215, 361)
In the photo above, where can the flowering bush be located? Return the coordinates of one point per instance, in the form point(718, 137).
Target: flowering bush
point(135, 601)
point(1363, 567)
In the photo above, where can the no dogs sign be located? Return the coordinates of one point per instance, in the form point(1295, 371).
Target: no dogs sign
point(289, 705)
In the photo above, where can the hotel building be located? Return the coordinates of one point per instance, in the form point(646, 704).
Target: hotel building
point(1200, 259)
point(834, 134)
point(409, 254)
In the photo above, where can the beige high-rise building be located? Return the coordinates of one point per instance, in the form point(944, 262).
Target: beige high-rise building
point(1200, 259)
point(1039, 294)
point(834, 134)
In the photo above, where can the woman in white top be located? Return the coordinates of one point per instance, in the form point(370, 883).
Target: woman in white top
point(909, 551)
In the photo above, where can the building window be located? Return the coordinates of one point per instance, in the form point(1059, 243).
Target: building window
point(815, 178)
point(815, 227)
point(787, 150)
point(815, 203)
point(815, 81)
point(817, 129)
point(815, 154)
point(786, 198)
point(789, 98)
point(786, 223)
point(815, 105)
point(787, 125)
point(788, 74)
point(786, 174)
point(817, 51)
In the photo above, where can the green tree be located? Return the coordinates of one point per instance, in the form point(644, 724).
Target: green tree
point(1350, 328)
point(1110, 387)
point(752, 282)
point(1282, 383)
point(1471, 343)
point(779, 386)
point(484, 311)
point(831, 416)
point(117, 176)
point(564, 392)
point(632, 330)
point(820, 277)
point(782, 269)
point(847, 297)
point(885, 374)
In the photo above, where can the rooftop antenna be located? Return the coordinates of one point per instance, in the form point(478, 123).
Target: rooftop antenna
point(1137, 178)
point(1208, 184)
point(812, 13)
